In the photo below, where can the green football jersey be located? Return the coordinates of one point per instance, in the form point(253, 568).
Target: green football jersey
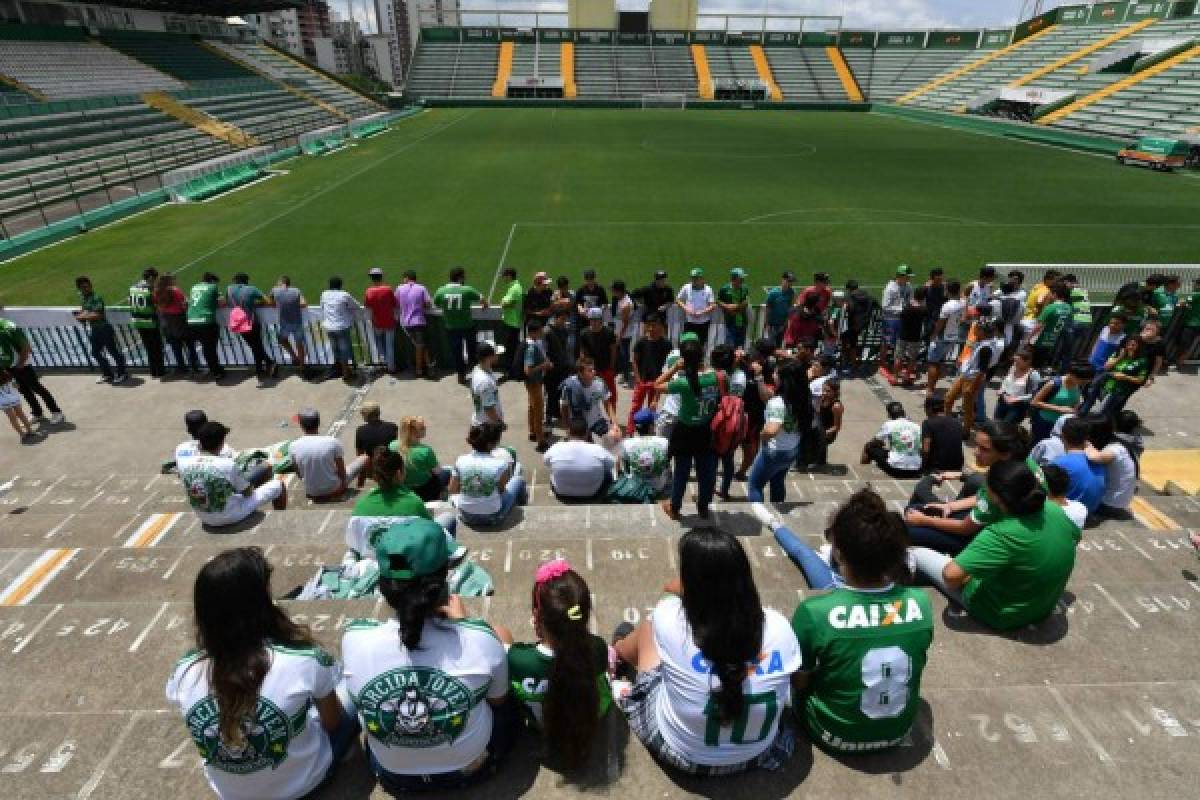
point(202, 304)
point(1192, 318)
point(1054, 319)
point(1019, 567)
point(1164, 302)
point(529, 675)
point(865, 651)
point(455, 301)
point(693, 410)
point(141, 306)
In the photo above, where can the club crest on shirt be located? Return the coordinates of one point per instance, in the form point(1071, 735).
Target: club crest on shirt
point(265, 737)
point(415, 707)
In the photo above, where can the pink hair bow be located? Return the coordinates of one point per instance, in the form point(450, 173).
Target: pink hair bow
point(551, 570)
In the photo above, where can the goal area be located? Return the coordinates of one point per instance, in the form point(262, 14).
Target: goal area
point(675, 100)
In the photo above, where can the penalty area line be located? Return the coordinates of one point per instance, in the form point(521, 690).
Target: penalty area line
point(503, 258)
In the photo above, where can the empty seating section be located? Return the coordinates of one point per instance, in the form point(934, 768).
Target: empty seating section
point(63, 70)
point(674, 70)
point(55, 165)
point(475, 70)
point(731, 63)
point(272, 63)
point(596, 70)
point(1167, 103)
point(635, 70)
point(176, 55)
point(537, 59)
point(886, 74)
point(805, 73)
point(1021, 59)
point(432, 73)
point(266, 111)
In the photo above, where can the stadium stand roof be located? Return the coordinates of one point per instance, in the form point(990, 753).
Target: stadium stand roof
point(211, 8)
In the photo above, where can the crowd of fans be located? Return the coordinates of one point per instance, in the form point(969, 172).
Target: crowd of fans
point(438, 698)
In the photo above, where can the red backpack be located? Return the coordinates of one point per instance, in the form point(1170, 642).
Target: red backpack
point(730, 423)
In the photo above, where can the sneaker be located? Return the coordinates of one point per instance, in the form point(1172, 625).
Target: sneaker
point(104, 379)
point(29, 438)
point(120, 378)
point(765, 515)
point(57, 418)
point(37, 419)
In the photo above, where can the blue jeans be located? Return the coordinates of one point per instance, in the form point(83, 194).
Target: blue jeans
point(770, 466)
point(624, 368)
point(103, 339)
point(343, 737)
point(343, 349)
point(514, 494)
point(706, 479)
point(1010, 412)
point(460, 341)
point(817, 573)
point(735, 335)
point(385, 344)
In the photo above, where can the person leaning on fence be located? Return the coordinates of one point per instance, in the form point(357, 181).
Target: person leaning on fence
point(244, 300)
point(16, 356)
point(456, 300)
point(896, 295)
point(381, 302)
point(698, 304)
point(145, 320)
point(101, 335)
point(171, 305)
point(339, 309)
point(734, 300)
point(412, 301)
point(512, 314)
point(779, 302)
point(290, 304)
point(203, 300)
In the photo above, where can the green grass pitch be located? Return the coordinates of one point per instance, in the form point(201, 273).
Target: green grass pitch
point(626, 192)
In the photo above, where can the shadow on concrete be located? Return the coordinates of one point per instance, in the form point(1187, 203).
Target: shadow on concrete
point(898, 760)
point(1049, 631)
point(245, 526)
point(605, 765)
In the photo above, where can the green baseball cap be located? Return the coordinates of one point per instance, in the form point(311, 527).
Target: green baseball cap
point(904, 269)
point(697, 273)
point(690, 336)
point(737, 272)
point(411, 549)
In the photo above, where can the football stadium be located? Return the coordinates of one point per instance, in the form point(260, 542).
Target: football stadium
point(387, 379)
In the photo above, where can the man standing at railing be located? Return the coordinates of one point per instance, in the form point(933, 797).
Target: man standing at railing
point(17, 357)
point(698, 303)
point(203, 300)
point(380, 299)
point(455, 299)
point(145, 320)
point(100, 332)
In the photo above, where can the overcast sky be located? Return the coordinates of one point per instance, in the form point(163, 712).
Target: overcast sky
point(856, 13)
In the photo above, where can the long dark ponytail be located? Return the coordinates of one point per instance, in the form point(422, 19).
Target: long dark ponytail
point(414, 602)
point(726, 626)
point(562, 607)
point(387, 467)
point(793, 388)
point(235, 620)
point(691, 353)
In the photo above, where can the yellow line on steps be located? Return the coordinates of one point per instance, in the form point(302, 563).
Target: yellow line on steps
point(844, 73)
point(566, 63)
point(1082, 52)
point(1119, 86)
point(198, 119)
point(29, 90)
point(974, 65)
point(305, 96)
point(704, 80)
point(1151, 517)
point(503, 70)
point(764, 71)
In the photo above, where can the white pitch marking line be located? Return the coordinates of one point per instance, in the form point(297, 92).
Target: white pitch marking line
point(102, 767)
point(1133, 623)
point(153, 481)
point(12, 560)
point(508, 557)
point(670, 553)
point(95, 497)
point(125, 527)
point(325, 523)
point(47, 491)
point(1100, 752)
point(171, 571)
point(133, 648)
point(37, 629)
point(589, 555)
point(1135, 546)
point(92, 563)
point(50, 534)
point(315, 195)
point(503, 257)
